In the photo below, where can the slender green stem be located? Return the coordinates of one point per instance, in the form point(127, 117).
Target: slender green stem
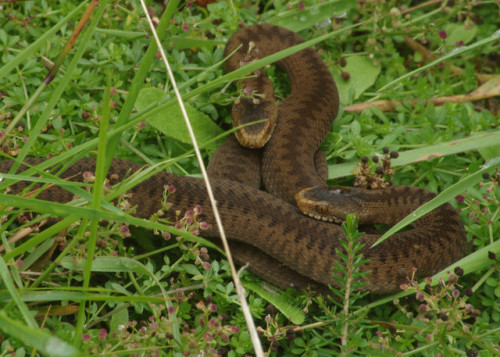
point(140, 76)
point(16, 297)
point(25, 108)
point(67, 249)
point(100, 176)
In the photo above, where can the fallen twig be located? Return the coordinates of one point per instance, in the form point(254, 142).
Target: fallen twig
point(489, 89)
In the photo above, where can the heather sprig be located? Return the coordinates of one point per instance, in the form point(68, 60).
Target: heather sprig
point(207, 334)
point(482, 208)
point(441, 321)
point(351, 280)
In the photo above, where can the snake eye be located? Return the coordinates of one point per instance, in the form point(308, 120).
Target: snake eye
point(322, 209)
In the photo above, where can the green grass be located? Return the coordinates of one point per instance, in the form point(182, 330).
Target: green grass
point(108, 100)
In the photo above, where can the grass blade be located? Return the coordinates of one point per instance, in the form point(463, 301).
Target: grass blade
point(49, 345)
point(293, 313)
point(442, 198)
point(9, 284)
point(474, 142)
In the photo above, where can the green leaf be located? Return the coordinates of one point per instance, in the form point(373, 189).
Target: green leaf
point(49, 345)
point(191, 269)
point(15, 295)
point(363, 74)
point(120, 289)
point(475, 142)
point(293, 313)
point(490, 152)
point(120, 317)
point(3, 37)
point(57, 296)
point(440, 199)
point(171, 123)
point(459, 32)
point(299, 19)
point(109, 264)
point(37, 253)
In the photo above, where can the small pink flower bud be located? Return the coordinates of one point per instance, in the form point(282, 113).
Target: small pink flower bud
point(103, 334)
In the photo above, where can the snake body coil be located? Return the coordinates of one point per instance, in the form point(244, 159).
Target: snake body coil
point(267, 230)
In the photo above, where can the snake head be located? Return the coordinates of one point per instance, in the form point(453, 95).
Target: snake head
point(316, 202)
point(329, 204)
point(263, 114)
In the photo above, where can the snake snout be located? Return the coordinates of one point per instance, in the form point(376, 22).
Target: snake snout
point(262, 113)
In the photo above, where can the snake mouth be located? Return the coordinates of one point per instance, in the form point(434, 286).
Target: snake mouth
point(322, 218)
point(259, 119)
point(256, 135)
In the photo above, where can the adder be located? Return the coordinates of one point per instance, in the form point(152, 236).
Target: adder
point(267, 229)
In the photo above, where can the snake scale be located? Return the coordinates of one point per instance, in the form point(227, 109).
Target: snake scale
point(266, 229)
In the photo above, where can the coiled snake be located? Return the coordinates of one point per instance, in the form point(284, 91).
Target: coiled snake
point(266, 229)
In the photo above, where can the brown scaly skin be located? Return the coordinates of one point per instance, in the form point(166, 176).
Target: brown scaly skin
point(293, 167)
point(281, 244)
point(306, 247)
point(304, 118)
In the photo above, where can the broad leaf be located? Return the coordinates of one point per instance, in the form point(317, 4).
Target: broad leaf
point(171, 123)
